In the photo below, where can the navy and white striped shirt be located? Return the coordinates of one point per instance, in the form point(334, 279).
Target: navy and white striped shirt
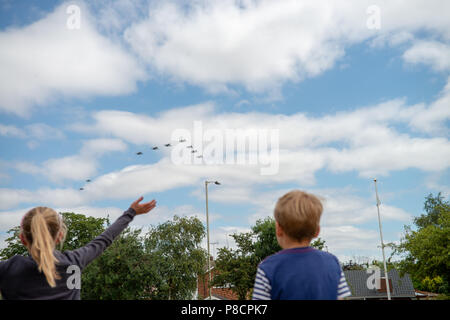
point(300, 274)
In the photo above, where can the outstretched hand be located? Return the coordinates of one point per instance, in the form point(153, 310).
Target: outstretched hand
point(142, 208)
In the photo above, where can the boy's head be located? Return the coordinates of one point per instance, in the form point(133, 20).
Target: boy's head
point(298, 214)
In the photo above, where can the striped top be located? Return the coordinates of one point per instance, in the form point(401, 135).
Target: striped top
point(343, 289)
point(262, 288)
point(300, 274)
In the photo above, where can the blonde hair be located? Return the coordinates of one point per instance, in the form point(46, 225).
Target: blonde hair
point(298, 213)
point(41, 226)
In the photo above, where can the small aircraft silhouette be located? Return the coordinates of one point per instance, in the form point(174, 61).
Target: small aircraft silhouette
point(155, 148)
point(81, 189)
point(193, 151)
point(167, 145)
point(190, 146)
point(200, 156)
point(139, 153)
point(88, 180)
point(182, 140)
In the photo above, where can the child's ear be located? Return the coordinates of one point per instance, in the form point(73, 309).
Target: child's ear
point(22, 238)
point(317, 232)
point(278, 230)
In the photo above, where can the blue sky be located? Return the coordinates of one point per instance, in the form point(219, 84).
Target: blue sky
point(350, 99)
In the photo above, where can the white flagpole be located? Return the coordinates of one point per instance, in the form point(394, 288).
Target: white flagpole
point(382, 244)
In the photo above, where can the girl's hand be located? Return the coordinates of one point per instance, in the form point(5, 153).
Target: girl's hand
point(144, 207)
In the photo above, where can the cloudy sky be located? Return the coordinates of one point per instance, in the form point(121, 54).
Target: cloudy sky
point(339, 92)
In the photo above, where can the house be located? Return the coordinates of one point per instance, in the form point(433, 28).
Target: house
point(217, 293)
point(401, 288)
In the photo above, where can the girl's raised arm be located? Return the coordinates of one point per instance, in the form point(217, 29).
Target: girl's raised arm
point(85, 255)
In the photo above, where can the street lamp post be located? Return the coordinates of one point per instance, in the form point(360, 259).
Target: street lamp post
point(207, 233)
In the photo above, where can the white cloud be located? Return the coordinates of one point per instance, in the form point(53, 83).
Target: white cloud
point(71, 167)
point(114, 16)
point(83, 165)
point(3, 237)
point(398, 153)
point(42, 131)
point(27, 167)
point(142, 129)
point(262, 44)
point(11, 131)
point(12, 198)
point(74, 167)
point(370, 140)
point(340, 205)
point(432, 53)
point(348, 238)
point(342, 208)
point(229, 194)
point(98, 147)
point(218, 43)
point(393, 39)
point(259, 45)
point(35, 133)
point(46, 60)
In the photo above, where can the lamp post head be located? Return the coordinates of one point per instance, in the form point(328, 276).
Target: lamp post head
point(217, 182)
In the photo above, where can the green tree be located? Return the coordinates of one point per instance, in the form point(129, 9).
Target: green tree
point(319, 243)
point(266, 242)
point(237, 268)
point(81, 229)
point(14, 245)
point(425, 250)
point(173, 248)
point(433, 285)
point(433, 206)
point(121, 272)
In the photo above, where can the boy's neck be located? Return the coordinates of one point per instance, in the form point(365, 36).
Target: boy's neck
point(290, 244)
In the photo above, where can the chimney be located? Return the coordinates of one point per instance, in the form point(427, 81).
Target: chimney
point(383, 285)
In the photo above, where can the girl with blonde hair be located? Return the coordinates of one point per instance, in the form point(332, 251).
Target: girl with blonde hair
point(45, 272)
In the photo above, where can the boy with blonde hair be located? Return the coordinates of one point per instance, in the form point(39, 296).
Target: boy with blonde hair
point(299, 272)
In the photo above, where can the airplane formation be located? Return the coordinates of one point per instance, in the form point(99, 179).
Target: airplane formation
point(140, 153)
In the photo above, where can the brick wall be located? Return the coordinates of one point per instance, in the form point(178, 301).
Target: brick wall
point(203, 289)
